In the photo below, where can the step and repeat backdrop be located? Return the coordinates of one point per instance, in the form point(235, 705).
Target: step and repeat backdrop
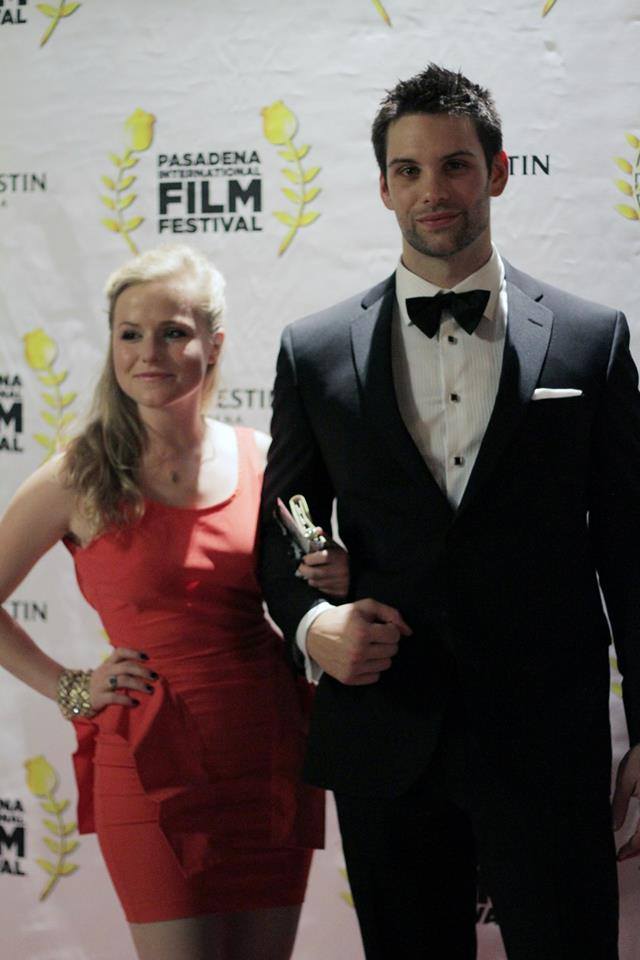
point(243, 128)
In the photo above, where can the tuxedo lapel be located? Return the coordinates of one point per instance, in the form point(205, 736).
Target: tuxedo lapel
point(371, 344)
point(527, 339)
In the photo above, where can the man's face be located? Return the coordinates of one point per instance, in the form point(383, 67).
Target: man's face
point(438, 186)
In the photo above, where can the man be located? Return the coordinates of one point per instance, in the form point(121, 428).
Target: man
point(484, 452)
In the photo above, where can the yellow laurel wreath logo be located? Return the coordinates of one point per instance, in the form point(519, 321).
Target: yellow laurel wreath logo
point(42, 781)
point(280, 126)
point(383, 13)
point(547, 7)
point(629, 189)
point(40, 353)
point(140, 129)
point(56, 14)
point(346, 894)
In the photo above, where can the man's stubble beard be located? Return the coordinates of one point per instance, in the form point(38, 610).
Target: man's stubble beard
point(474, 223)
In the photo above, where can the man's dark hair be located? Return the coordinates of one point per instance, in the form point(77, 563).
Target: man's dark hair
point(437, 90)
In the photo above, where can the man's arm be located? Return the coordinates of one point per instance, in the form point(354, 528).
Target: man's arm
point(294, 465)
point(353, 642)
point(614, 513)
point(615, 526)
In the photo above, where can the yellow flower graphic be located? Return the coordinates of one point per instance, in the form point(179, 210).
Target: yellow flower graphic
point(383, 13)
point(39, 349)
point(346, 894)
point(41, 777)
point(280, 125)
point(616, 686)
point(42, 781)
point(547, 7)
point(139, 127)
point(631, 190)
point(40, 352)
point(56, 14)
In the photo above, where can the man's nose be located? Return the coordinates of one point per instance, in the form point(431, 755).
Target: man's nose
point(435, 188)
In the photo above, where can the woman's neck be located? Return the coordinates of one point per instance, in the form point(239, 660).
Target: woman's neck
point(173, 433)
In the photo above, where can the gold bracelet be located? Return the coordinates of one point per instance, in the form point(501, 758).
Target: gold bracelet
point(73, 696)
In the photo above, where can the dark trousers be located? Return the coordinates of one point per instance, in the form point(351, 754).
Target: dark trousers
point(412, 865)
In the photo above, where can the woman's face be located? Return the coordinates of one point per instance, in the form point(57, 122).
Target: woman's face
point(162, 348)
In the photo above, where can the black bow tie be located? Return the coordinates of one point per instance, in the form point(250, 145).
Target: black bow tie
point(467, 308)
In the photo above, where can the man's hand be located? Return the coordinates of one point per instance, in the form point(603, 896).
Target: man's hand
point(356, 642)
point(627, 786)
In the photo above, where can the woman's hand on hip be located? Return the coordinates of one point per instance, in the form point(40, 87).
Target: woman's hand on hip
point(121, 673)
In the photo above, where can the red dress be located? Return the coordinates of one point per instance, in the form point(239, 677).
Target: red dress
point(195, 794)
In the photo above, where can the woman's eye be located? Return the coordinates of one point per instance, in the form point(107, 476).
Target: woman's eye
point(174, 333)
point(128, 335)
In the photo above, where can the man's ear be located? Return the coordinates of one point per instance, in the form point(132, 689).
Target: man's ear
point(384, 192)
point(499, 173)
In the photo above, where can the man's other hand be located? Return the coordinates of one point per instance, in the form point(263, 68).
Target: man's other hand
point(627, 786)
point(356, 642)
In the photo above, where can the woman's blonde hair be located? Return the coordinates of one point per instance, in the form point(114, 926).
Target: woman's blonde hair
point(102, 464)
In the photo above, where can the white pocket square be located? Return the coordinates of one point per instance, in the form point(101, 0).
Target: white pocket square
point(555, 393)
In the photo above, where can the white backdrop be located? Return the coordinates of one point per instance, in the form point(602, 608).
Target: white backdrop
point(97, 93)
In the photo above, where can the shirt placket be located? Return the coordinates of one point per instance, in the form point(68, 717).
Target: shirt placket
point(453, 405)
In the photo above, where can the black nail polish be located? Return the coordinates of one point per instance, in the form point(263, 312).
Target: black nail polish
point(143, 656)
point(135, 702)
point(153, 675)
point(149, 687)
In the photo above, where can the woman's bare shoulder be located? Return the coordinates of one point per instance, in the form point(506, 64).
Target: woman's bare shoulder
point(263, 442)
point(37, 516)
point(45, 489)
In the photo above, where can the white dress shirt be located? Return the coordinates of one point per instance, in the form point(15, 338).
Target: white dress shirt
point(446, 386)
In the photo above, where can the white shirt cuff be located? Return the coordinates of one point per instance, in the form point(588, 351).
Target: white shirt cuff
point(312, 671)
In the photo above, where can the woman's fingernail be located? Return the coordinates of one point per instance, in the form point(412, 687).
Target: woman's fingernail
point(148, 687)
point(136, 703)
point(143, 656)
point(153, 675)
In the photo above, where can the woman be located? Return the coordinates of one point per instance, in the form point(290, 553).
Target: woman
point(191, 732)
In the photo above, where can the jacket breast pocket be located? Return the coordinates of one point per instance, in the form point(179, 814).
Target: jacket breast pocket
point(556, 434)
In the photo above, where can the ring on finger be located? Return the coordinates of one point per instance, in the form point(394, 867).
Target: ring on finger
point(113, 682)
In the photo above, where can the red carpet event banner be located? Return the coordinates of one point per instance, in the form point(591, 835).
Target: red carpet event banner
point(243, 129)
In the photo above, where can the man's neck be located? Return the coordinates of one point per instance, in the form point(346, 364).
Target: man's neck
point(447, 272)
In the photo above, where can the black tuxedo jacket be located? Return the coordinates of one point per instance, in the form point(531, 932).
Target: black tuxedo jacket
point(510, 634)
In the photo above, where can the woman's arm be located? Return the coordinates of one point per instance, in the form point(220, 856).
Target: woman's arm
point(41, 513)
point(37, 517)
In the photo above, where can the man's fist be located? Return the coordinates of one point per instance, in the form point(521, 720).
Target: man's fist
point(356, 642)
